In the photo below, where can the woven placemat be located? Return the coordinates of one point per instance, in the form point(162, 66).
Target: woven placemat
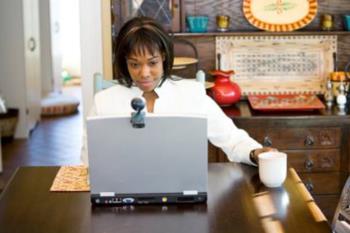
point(71, 179)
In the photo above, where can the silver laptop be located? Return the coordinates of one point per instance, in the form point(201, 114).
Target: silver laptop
point(164, 162)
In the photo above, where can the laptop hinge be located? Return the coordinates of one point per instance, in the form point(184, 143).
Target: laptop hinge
point(107, 194)
point(190, 192)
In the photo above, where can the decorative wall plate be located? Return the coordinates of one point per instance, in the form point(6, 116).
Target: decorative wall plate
point(280, 15)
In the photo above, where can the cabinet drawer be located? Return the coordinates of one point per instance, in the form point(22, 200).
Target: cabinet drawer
point(297, 138)
point(328, 204)
point(314, 160)
point(322, 183)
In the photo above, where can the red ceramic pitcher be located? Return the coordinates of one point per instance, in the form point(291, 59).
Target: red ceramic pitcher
point(224, 91)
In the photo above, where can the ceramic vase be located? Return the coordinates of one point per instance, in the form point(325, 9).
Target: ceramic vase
point(225, 92)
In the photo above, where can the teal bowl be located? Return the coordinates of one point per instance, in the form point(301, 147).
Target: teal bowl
point(197, 23)
point(347, 22)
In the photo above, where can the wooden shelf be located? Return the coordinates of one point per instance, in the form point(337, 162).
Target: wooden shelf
point(261, 33)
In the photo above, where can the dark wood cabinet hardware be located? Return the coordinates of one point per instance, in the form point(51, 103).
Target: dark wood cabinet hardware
point(309, 141)
point(267, 141)
point(309, 164)
point(309, 185)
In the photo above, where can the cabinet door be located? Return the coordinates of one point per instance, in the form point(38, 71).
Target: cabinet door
point(32, 62)
point(167, 12)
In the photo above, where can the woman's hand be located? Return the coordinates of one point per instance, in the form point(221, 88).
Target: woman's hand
point(255, 153)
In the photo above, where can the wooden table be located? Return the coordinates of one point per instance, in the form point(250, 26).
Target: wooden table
point(237, 202)
point(317, 144)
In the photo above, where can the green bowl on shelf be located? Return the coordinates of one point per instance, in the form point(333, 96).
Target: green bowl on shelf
point(197, 23)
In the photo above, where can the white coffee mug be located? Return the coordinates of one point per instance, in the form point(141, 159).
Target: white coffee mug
point(272, 168)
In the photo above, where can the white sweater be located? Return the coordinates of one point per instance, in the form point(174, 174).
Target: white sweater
point(180, 97)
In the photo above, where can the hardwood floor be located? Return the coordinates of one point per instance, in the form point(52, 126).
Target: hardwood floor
point(55, 141)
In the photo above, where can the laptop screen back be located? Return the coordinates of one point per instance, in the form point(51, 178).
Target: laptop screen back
point(168, 155)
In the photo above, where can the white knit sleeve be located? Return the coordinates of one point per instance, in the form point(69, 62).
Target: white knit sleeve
point(223, 133)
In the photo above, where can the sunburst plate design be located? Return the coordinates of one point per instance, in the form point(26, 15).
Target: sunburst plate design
point(280, 15)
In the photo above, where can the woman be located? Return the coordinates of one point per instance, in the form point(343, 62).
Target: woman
point(143, 59)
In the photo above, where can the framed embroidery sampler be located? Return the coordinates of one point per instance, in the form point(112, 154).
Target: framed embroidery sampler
point(266, 65)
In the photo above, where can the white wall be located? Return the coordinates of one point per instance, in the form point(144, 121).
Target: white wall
point(91, 48)
point(56, 45)
point(12, 62)
point(60, 46)
point(46, 57)
point(70, 36)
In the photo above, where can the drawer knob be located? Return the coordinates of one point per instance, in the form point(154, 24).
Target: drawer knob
point(309, 141)
point(308, 164)
point(267, 141)
point(309, 185)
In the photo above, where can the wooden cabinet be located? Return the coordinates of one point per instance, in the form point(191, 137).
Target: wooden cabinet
point(317, 145)
point(298, 138)
point(177, 10)
point(239, 26)
point(314, 160)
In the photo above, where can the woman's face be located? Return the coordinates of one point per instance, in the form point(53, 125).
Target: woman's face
point(145, 69)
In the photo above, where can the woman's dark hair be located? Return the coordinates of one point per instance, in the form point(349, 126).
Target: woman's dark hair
point(138, 35)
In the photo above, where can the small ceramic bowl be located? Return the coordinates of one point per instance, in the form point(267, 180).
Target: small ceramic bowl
point(347, 22)
point(197, 23)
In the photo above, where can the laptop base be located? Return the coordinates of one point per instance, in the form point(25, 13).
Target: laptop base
point(144, 199)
